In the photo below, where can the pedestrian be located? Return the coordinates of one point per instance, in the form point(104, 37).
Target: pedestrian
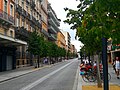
point(114, 68)
point(117, 66)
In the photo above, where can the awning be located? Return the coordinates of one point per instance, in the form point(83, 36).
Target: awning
point(7, 40)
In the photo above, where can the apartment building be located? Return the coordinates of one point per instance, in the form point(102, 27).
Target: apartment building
point(61, 40)
point(27, 19)
point(17, 19)
point(67, 39)
point(53, 24)
point(8, 42)
point(44, 15)
point(72, 48)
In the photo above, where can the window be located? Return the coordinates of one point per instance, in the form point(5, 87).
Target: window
point(22, 23)
point(27, 8)
point(22, 3)
point(17, 22)
point(27, 26)
point(5, 32)
point(31, 12)
point(11, 33)
point(11, 10)
point(37, 16)
point(30, 28)
point(5, 5)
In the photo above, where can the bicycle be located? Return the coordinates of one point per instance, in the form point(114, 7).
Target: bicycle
point(88, 76)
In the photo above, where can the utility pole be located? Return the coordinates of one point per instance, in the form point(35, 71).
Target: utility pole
point(105, 63)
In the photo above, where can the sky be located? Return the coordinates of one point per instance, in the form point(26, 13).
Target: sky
point(58, 6)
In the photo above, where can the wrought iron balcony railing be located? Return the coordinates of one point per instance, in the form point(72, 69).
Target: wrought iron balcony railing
point(24, 13)
point(18, 8)
point(32, 3)
point(27, 15)
point(21, 33)
point(45, 32)
point(53, 37)
point(6, 18)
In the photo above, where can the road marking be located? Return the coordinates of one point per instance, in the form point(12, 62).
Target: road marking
point(30, 86)
point(76, 80)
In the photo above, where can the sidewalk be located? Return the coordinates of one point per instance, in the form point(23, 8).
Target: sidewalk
point(7, 75)
point(114, 83)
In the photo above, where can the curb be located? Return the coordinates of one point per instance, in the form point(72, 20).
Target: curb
point(15, 77)
point(33, 70)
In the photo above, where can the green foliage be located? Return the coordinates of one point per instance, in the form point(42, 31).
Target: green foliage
point(93, 20)
point(33, 43)
point(38, 46)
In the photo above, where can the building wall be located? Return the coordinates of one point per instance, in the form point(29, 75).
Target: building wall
point(4, 28)
point(61, 40)
point(44, 16)
point(33, 9)
point(7, 50)
point(68, 39)
point(53, 22)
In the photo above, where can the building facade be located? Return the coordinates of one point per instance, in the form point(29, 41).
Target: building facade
point(72, 49)
point(53, 24)
point(18, 18)
point(61, 40)
point(67, 39)
point(44, 15)
point(8, 42)
point(27, 19)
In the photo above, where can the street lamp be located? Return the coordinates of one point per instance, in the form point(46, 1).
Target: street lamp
point(105, 63)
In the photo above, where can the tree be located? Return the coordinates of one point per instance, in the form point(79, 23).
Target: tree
point(35, 45)
point(93, 20)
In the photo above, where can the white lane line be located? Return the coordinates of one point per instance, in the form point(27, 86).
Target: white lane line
point(76, 80)
point(30, 86)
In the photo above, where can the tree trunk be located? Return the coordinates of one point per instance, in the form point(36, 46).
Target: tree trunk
point(38, 61)
point(99, 83)
point(31, 60)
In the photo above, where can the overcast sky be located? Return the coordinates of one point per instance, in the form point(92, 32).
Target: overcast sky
point(58, 6)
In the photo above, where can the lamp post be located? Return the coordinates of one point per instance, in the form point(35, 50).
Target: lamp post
point(105, 63)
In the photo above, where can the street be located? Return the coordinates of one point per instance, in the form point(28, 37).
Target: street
point(58, 77)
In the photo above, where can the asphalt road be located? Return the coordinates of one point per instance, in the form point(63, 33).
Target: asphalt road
point(61, 76)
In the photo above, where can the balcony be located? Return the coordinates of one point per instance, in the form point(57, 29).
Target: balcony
point(19, 9)
point(39, 24)
point(27, 15)
point(24, 13)
point(32, 25)
point(52, 15)
point(6, 19)
point(32, 4)
point(53, 37)
point(52, 30)
point(45, 32)
point(28, 1)
point(51, 22)
point(43, 8)
point(33, 19)
point(21, 33)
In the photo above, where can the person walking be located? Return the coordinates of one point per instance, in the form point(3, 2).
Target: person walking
point(117, 66)
point(114, 68)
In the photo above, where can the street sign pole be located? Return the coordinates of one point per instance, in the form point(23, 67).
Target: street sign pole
point(105, 63)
